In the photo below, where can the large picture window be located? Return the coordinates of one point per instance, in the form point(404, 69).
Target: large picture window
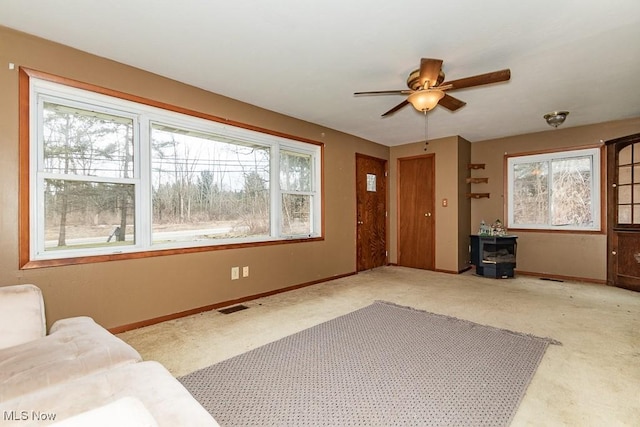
point(555, 191)
point(111, 176)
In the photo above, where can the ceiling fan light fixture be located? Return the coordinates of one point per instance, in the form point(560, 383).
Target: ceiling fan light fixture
point(426, 99)
point(556, 118)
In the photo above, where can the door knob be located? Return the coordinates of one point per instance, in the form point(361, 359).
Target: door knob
point(614, 253)
point(360, 222)
point(427, 214)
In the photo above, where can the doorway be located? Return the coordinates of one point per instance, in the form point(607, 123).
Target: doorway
point(371, 212)
point(416, 209)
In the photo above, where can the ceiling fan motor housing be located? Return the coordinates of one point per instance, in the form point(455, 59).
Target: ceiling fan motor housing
point(413, 81)
point(426, 84)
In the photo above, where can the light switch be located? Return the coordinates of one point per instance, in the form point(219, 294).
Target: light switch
point(445, 203)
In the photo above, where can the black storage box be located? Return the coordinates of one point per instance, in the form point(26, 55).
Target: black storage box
point(494, 256)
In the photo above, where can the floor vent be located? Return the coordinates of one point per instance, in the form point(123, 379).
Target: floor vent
point(233, 309)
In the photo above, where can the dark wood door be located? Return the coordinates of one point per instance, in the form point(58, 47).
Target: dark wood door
point(371, 201)
point(623, 212)
point(416, 216)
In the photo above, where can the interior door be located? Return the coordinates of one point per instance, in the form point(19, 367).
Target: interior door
point(623, 212)
point(371, 201)
point(416, 206)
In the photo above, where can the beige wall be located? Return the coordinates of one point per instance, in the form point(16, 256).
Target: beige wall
point(561, 254)
point(123, 292)
point(452, 222)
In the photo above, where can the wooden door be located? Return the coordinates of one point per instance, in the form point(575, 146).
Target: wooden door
point(371, 201)
point(416, 206)
point(623, 212)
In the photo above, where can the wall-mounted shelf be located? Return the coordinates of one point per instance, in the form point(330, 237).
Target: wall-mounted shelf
point(473, 180)
point(477, 195)
point(477, 180)
point(475, 166)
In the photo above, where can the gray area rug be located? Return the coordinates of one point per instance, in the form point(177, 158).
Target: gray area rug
point(382, 365)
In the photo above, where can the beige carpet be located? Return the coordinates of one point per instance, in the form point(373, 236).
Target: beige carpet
point(381, 365)
point(593, 379)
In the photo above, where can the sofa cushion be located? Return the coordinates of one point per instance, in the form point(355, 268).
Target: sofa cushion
point(22, 316)
point(75, 347)
point(163, 396)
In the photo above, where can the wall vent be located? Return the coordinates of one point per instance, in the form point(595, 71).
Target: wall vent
point(233, 309)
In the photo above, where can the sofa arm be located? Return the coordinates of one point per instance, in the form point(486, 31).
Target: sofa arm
point(22, 317)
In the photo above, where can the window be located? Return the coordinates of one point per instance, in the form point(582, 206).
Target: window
point(555, 191)
point(627, 185)
point(112, 176)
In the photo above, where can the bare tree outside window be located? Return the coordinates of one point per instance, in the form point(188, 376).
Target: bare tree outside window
point(296, 174)
point(83, 150)
point(206, 187)
point(553, 192)
point(571, 192)
point(109, 175)
point(531, 193)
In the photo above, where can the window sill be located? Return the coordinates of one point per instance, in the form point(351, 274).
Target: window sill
point(29, 265)
point(550, 231)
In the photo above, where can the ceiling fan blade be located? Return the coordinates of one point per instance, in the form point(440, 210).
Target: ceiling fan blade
point(480, 79)
point(385, 92)
point(451, 103)
point(396, 108)
point(429, 70)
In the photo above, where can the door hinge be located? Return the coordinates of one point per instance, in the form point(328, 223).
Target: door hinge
point(386, 173)
point(386, 214)
point(386, 253)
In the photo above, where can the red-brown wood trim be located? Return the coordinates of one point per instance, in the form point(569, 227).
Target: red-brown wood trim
point(439, 270)
point(149, 322)
point(554, 150)
point(603, 189)
point(556, 276)
point(322, 199)
point(547, 231)
point(159, 252)
point(562, 277)
point(146, 101)
point(505, 191)
point(24, 237)
point(26, 263)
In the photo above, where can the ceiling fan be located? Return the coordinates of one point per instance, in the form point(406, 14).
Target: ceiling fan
point(427, 87)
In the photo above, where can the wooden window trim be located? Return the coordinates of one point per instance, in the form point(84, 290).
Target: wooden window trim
point(603, 191)
point(24, 101)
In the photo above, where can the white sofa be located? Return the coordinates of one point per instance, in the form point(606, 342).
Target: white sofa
point(80, 374)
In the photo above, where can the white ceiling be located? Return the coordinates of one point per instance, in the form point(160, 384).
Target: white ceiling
point(305, 59)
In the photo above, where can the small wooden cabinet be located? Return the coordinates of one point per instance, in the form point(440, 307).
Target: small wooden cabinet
point(494, 256)
point(623, 212)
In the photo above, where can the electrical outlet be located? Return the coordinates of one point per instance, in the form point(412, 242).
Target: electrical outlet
point(245, 271)
point(235, 273)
